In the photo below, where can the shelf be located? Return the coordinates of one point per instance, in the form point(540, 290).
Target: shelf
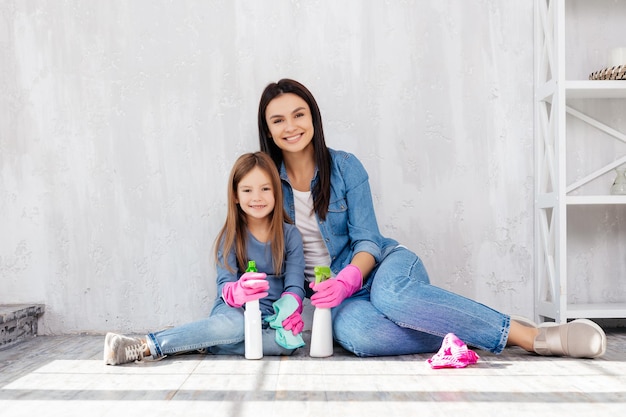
point(595, 199)
point(557, 101)
point(597, 311)
point(585, 89)
point(595, 89)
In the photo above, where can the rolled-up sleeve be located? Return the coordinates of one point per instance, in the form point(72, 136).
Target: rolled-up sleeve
point(362, 225)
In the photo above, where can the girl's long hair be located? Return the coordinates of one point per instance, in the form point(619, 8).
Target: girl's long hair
point(321, 190)
point(234, 233)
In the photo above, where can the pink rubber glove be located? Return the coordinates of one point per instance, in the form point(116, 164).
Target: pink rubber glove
point(294, 322)
point(240, 292)
point(332, 292)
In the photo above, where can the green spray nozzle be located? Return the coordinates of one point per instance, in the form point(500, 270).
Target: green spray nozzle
point(322, 273)
point(251, 267)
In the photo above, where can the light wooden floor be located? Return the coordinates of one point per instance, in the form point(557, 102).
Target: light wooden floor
point(65, 376)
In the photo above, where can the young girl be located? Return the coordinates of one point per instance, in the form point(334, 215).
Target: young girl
point(256, 228)
point(382, 299)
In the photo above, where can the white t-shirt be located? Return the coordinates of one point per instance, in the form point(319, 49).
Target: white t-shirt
point(315, 251)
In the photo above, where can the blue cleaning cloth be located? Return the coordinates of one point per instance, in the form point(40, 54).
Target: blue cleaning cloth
point(284, 307)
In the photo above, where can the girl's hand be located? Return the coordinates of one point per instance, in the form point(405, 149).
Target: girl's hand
point(332, 292)
point(294, 322)
point(251, 286)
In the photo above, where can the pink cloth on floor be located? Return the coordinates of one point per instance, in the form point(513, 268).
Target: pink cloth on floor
point(453, 354)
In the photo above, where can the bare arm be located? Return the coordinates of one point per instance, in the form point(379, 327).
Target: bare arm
point(365, 262)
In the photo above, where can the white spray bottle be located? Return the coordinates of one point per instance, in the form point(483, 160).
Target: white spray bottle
point(253, 332)
point(322, 330)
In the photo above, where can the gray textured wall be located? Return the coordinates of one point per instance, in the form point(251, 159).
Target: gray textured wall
point(120, 120)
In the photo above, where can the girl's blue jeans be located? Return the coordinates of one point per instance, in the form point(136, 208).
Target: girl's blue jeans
point(220, 333)
point(398, 312)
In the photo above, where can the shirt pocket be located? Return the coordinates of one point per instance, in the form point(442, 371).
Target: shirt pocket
point(337, 217)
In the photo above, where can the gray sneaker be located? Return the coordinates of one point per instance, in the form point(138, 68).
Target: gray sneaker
point(119, 349)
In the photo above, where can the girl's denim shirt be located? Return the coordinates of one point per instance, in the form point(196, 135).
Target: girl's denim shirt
point(350, 226)
point(291, 278)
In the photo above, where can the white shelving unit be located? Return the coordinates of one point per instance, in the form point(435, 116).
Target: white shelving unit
point(553, 193)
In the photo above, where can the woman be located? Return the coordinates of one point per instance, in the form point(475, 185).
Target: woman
point(382, 300)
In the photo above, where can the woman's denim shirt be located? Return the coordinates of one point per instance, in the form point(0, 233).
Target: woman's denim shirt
point(350, 224)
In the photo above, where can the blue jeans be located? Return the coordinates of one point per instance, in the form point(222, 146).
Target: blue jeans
point(222, 333)
point(398, 312)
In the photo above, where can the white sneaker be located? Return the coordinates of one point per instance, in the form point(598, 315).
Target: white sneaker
point(580, 338)
point(119, 349)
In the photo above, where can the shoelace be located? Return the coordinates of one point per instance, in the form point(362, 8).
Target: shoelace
point(135, 352)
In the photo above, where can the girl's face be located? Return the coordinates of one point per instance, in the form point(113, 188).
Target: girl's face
point(290, 122)
point(255, 194)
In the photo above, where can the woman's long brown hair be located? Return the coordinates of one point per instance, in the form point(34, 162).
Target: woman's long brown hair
point(321, 190)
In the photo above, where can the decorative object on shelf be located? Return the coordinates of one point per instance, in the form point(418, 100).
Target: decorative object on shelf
point(616, 69)
point(613, 73)
point(619, 185)
point(617, 57)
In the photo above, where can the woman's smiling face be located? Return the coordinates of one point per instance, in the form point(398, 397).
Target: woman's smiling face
point(290, 122)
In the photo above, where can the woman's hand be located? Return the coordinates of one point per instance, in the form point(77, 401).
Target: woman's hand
point(332, 292)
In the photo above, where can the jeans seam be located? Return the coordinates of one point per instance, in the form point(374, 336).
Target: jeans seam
point(157, 348)
point(204, 345)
